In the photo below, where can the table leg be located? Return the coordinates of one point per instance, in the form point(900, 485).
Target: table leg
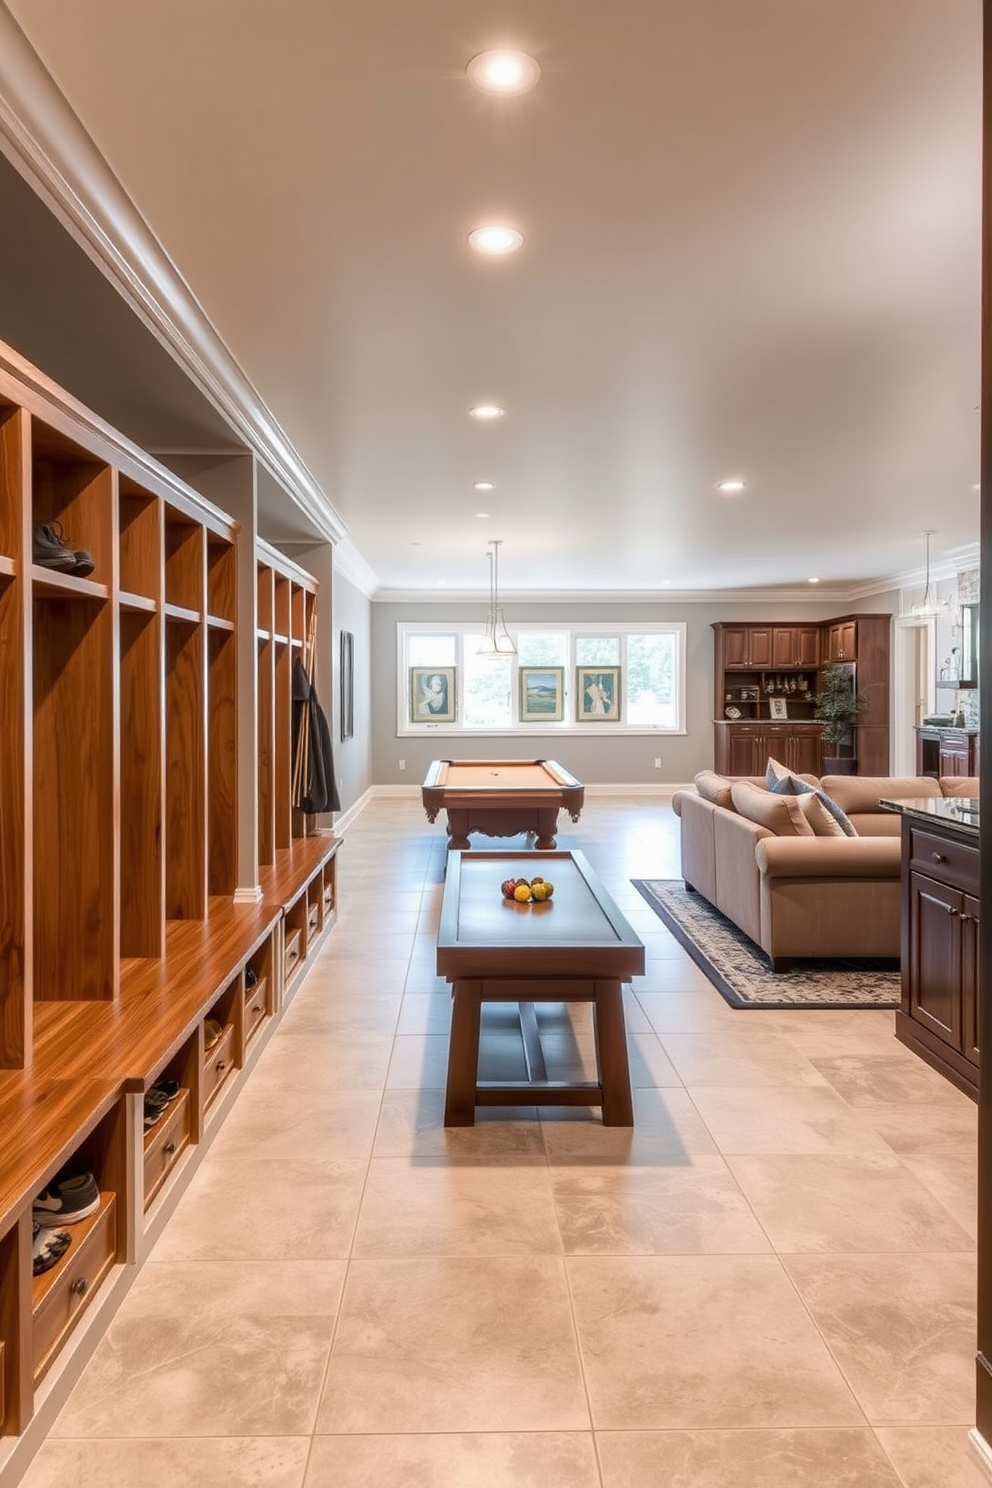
point(547, 826)
point(463, 1053)
point(611, 1055)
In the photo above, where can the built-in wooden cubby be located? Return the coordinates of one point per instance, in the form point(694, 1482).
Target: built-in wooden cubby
point(131, 731)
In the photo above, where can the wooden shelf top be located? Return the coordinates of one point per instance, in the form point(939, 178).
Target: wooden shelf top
point(284, 880)
point(181, 613)
point(8, 567)
point(137, 602)
point(64, 586)
point(87, 1054)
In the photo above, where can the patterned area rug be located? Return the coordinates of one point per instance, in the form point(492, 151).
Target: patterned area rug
point(740, 972)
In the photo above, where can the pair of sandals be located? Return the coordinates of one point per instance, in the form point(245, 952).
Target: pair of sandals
point(159, 1097)
point(47, 1248)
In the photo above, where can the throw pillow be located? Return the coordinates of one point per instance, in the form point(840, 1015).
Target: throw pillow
point(819, 818)
point(776, 813)
point(783, 782)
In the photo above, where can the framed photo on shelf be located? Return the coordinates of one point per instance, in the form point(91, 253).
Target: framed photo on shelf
point(778, 707)
point(432, 694)
point(597, 694)
point(542, 694)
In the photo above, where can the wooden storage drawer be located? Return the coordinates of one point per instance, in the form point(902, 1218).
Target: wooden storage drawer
point(313, 920)
point(294, 939)
point(164, 1143)
point(61, 1296)
point(953, 863)
point(328, 899)
point(256, 1005)
point(218, 1064)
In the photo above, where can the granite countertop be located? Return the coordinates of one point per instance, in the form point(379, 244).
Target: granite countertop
point(953, 811)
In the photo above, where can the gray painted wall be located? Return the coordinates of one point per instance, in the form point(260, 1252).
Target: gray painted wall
point(351, 610)
point(627, 759)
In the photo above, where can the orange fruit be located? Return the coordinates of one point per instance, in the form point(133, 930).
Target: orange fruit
point(522, 894)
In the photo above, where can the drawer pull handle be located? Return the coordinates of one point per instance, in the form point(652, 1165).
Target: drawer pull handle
point(950, 909)
point(256, 1009)
point(169, 1148)
point(78, 1287)
point(938, 857)
point(220, 1066)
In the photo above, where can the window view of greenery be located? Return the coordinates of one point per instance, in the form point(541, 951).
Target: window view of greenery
point(488, 690)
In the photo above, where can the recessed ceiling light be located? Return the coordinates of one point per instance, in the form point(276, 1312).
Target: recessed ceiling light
point(486, 411)
point(730, 487)
point(484, 486)
point(503, 71)
point(483, 515)
point(495, 240)
point(812, 581)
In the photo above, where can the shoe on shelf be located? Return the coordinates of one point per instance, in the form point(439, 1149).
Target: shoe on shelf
point(251, 978)
point(212, 1033)
point(67, 1200)
point(158, 1099)
point(47, 1247)
point(49, 550)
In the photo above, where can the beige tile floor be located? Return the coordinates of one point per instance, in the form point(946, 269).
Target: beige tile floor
point(769, 1281)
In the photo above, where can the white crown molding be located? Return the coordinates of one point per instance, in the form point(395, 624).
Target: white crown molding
point(350, 564)
point(45, 141)
point(813, 595)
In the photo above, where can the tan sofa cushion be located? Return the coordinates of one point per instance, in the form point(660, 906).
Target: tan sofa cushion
point(959, 785)
point(859, 796)
point(779, 814)
point(714, 788)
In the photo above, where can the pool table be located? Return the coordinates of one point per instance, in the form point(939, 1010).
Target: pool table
point(501, 798)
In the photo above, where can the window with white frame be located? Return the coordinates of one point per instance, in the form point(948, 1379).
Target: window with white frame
point(605, 679)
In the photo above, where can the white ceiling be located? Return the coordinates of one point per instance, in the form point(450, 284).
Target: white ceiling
point(752, 248)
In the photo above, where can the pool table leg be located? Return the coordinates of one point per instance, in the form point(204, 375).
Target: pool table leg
point(547, 826)
point(611, 1055)
point(463, 1053)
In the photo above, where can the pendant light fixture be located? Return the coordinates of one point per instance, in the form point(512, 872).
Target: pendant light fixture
point(496, 639)
point(929, 606)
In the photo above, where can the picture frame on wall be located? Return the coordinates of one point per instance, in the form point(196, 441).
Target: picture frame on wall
point(597, 694)
point(542, 694)
point(347, 673)
point(432, 695)
point(778, 707)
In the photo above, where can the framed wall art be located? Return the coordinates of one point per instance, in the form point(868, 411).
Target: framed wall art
point(347, 674)
point(542, 694)
point(432, 694)
point(597, 694)
point(778, 708)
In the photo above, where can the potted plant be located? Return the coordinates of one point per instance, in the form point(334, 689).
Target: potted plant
point(837, 706)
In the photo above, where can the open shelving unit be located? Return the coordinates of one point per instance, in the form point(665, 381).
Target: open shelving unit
point(125, 933)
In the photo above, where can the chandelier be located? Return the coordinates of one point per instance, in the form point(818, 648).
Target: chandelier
point(496, 638)
point(929, 606)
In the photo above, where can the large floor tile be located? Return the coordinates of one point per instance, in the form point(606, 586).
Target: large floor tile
point(902, 1328)
point(533, 1459)
point(204, 1462)
point(266, 1209)
point(468, 1211)
point(933, 1456)
point(198, 1351)
point(744, 1459)
point(702, 1342)
point(411, 1125)
point(454, 1345)
point(693, 1209)
point(738, 1057)
point(952, 1178)
point(897, 1077)
point(843, 1202)
point(326, 1123)
point(667, 1131)
point(784, 1119)
point(950, 1123)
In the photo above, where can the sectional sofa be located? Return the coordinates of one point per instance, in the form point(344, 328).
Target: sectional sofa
point(764, 864)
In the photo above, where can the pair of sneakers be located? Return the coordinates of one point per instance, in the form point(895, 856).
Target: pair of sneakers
point(49, 550)
point(158, 1099)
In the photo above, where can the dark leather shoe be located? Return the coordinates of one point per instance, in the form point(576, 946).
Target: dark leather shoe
point(48, 550)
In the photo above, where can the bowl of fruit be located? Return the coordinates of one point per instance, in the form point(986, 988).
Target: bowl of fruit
point(527, 890)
